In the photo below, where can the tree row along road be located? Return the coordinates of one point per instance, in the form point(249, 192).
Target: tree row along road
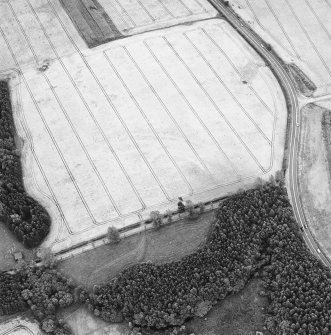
point(288, 86)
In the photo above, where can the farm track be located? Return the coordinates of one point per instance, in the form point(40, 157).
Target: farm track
point(289, 88)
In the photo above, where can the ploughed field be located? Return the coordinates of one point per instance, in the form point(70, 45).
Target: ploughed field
point(299, 30)
point(113, 132)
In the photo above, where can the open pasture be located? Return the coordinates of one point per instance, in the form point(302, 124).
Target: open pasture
point(299, 30)
point(114, 132)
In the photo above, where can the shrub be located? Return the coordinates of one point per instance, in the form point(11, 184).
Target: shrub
point(156, 219)
point(113, 235)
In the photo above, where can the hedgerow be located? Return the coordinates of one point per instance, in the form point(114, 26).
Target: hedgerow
point(24, 216)
point(254, 231)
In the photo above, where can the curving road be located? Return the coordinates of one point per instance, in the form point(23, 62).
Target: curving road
point(288, 86)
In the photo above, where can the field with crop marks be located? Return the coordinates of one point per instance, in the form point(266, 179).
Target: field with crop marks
point(116, 131)
point(299, 30)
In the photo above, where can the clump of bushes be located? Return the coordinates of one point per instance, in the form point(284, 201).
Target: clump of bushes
point(25, 217)
point(113, 235)
point(156, 219)
point(254, 232)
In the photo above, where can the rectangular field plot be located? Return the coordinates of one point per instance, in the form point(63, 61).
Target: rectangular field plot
point(91, 21)
point(118, 131)
point(135, 16)
point(300, 30)
point(100, 21)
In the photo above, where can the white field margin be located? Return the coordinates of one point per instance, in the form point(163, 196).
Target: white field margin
point(298, 30)
point(112, 133)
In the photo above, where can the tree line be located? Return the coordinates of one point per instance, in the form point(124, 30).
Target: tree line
point(254, 233)
point(24, 216)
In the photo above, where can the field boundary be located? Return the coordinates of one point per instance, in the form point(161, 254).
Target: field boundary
point(133, 229)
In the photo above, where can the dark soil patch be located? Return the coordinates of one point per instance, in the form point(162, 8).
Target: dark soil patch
point(91, 21)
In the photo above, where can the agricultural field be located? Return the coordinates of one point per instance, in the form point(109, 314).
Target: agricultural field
point(113, 132)
point(105, 20)
point(299, 31)
point(314, 175)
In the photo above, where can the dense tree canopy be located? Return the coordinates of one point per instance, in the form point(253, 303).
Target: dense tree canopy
point(254, 231)
point(25, 217)
point(42, 290)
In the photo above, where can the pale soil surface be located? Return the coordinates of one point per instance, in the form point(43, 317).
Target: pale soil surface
point(136, 16)
point(104, 20)
point(314, 178)
point(116, 131)
point(299, 30)
point(83, 322)
point(19, 326)
point(169, 243)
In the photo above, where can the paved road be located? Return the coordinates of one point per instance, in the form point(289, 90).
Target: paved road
point(293, 139)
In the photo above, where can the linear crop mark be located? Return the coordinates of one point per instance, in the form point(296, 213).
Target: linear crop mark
point(35, 102)
point(308, 37)
point(227, 88)
point(214, 103)
point(125, 12)
point(101, 88)
point(282, 28)
point(166, 110)
point(237, 71)
point(73, 128)
point(146, 119)
point(264, 27)
point(191, 108)
point(89, 110)
point(318, 19)
point(54, 141)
